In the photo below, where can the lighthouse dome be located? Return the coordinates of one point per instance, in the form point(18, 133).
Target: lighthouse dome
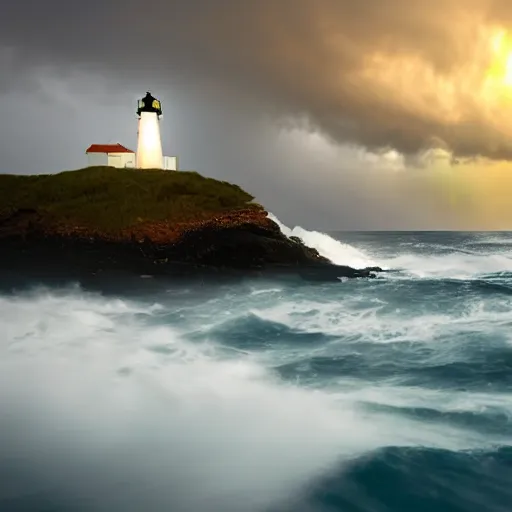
point(149, 104)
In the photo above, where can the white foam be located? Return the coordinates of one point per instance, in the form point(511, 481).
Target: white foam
point(357, 318)
point(448, 401)
point(108, 406)
point(457, 265)
point(266, 291)
point(336, 251)
point(460, 264)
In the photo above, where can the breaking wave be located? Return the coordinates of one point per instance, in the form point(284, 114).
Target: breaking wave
point(336, 251)
point(455, 262)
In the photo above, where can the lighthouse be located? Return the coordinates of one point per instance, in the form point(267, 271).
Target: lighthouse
point(149, 142)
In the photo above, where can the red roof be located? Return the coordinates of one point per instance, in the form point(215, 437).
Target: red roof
point(108, 148)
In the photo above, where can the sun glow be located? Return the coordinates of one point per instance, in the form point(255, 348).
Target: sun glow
point(500, 71)
point(483, 82)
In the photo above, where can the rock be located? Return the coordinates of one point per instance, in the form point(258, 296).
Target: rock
point(241, 242)
point(374, 269)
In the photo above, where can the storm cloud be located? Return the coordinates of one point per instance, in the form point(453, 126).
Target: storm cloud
point(335, 114)
point(378, 73)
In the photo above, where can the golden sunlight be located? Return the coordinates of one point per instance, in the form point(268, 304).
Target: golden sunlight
point(481, 83)
point(500, 71)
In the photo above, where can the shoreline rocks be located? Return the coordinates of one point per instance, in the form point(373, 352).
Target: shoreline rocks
point(236, 243)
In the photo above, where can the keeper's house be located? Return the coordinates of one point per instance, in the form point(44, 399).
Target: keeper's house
point(113, 155)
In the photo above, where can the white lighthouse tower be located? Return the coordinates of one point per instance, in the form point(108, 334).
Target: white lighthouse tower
point(149, 142)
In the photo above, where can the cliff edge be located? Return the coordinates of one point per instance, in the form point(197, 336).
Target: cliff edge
point(101, 219)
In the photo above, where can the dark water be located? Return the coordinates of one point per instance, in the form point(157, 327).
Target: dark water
point(393, 394)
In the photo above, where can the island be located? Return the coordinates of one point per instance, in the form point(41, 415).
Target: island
point(101, 220)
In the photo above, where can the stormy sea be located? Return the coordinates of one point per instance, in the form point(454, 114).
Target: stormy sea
point(385, 395)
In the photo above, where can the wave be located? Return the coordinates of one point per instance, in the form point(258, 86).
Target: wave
point(456, 265)
point(250, 331)
point(502, 238)
point(115, 410)
point(460, 263)
point(406, 479)
point(332, 249)
point(361, 318)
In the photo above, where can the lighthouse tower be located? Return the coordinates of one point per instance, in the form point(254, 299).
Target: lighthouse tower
point(149, 143)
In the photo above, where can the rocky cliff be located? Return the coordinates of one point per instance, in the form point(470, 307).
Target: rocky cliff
point(43, 230)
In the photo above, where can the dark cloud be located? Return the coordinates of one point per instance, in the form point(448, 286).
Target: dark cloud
point(247, 86)
point(300, 178)
point(371, 72)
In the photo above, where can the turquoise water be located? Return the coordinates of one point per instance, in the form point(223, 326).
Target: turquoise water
point(393, 394)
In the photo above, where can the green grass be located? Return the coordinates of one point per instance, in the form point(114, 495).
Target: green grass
point(111, 199)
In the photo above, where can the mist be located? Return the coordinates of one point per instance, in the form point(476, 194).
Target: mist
point(107, 407)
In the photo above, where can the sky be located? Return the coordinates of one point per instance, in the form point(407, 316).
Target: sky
point(335, 114)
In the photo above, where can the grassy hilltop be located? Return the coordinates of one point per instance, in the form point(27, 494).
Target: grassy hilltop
point(110, 199)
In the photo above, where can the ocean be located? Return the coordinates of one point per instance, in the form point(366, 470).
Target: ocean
point(384, 395)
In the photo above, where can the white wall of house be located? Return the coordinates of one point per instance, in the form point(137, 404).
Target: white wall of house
point(121, 159)
point(111, 159)
point(94, 159)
